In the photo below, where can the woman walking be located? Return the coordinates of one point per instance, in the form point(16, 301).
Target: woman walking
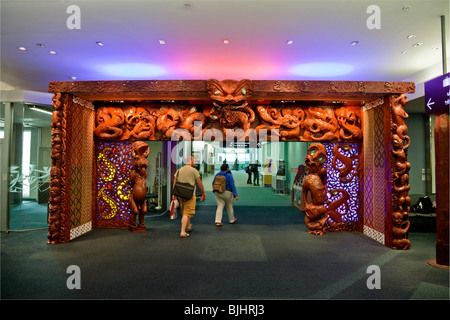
point(225, 198)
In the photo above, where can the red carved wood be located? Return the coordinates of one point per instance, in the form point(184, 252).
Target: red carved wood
point(441, 137)
point(400, 173)
point(146, 121)
point(261, 89)
point(314, 188)
point(138, 175)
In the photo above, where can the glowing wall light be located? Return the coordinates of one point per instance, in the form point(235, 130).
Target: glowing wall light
point(133, 70)
point(321, 69)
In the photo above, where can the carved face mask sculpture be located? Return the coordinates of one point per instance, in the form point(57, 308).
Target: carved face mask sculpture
point(229, 93)
point(140, 153)
point(316, 158)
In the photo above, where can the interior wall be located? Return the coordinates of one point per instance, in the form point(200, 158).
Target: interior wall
point(155, 149)
point(295, 154)
point(417, 153)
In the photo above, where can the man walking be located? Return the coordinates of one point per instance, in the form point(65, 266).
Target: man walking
point(188, 174)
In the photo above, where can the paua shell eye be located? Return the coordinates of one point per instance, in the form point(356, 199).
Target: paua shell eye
point(312, 151)
point(244, 92)
point(217, 92)
point(321, 159)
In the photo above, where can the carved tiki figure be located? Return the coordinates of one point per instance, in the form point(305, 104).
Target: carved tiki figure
point(138, 176)
point(313, 190)
point(109, 121)
point(230, 100)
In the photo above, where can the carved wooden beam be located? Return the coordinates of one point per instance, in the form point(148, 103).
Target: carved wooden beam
point(262, 89)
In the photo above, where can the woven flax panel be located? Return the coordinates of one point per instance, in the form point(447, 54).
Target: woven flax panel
point(80, 151)
point(374, 174)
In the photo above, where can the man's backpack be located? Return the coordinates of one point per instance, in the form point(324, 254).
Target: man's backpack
point(219, 184)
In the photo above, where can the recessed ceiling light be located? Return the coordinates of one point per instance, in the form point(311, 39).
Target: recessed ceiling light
point(52, 52)
point(73, 78)
point(290, 42)
point(354, 43)
point(435, 49)
point(40, 45)
point(226, 41)
point(417, 44)
point(406, 8)
point(404, 52)
point(411, 36)
point(100, 43)
point(162, 42)
point(22, 48)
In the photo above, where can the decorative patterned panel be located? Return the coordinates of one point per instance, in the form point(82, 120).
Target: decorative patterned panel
point(343, 192)
point(113, 187)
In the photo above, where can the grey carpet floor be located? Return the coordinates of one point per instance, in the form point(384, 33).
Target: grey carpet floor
point(267, 255)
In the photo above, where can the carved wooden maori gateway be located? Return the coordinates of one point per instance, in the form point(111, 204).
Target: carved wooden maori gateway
point(359, 126)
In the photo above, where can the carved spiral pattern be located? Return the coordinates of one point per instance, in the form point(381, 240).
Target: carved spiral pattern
point(343, 192)
point(114, 163)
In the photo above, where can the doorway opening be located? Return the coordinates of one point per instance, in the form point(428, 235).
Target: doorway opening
point(276, 163)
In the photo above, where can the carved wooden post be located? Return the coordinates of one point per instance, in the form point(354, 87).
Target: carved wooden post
point(400, 173)
point(57, 219)
point(441, 140)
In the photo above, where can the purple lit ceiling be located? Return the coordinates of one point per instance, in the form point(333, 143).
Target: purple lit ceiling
point(258, 31)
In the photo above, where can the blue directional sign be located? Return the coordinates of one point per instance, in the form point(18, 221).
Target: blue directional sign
point(437, 94)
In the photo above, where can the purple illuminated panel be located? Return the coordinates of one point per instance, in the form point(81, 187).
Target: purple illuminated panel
point(343, 183)
point(437, 94)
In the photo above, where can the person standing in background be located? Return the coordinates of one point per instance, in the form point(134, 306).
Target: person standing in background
point(248, 169)
point(255, 171)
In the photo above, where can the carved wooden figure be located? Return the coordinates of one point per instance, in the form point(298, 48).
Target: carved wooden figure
point(314, 186)
point(138, 177)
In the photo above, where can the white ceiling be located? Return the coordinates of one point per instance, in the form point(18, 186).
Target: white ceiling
point(194, 30)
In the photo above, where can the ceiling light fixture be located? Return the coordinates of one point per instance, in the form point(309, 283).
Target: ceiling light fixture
point(162, 42)
point(52, 52)
point(34, 108)
point(411, 36)
point(226, 41)
point(73, 78)
point(40, 45)
point(354, 43)
point(417, 44)
point(290, 42)
point(22, 48)
point(435, 49)
point(404, 52)
point(100, 44)
point(406, 8)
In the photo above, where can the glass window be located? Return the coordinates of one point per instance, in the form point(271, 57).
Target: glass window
point(29, 166)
